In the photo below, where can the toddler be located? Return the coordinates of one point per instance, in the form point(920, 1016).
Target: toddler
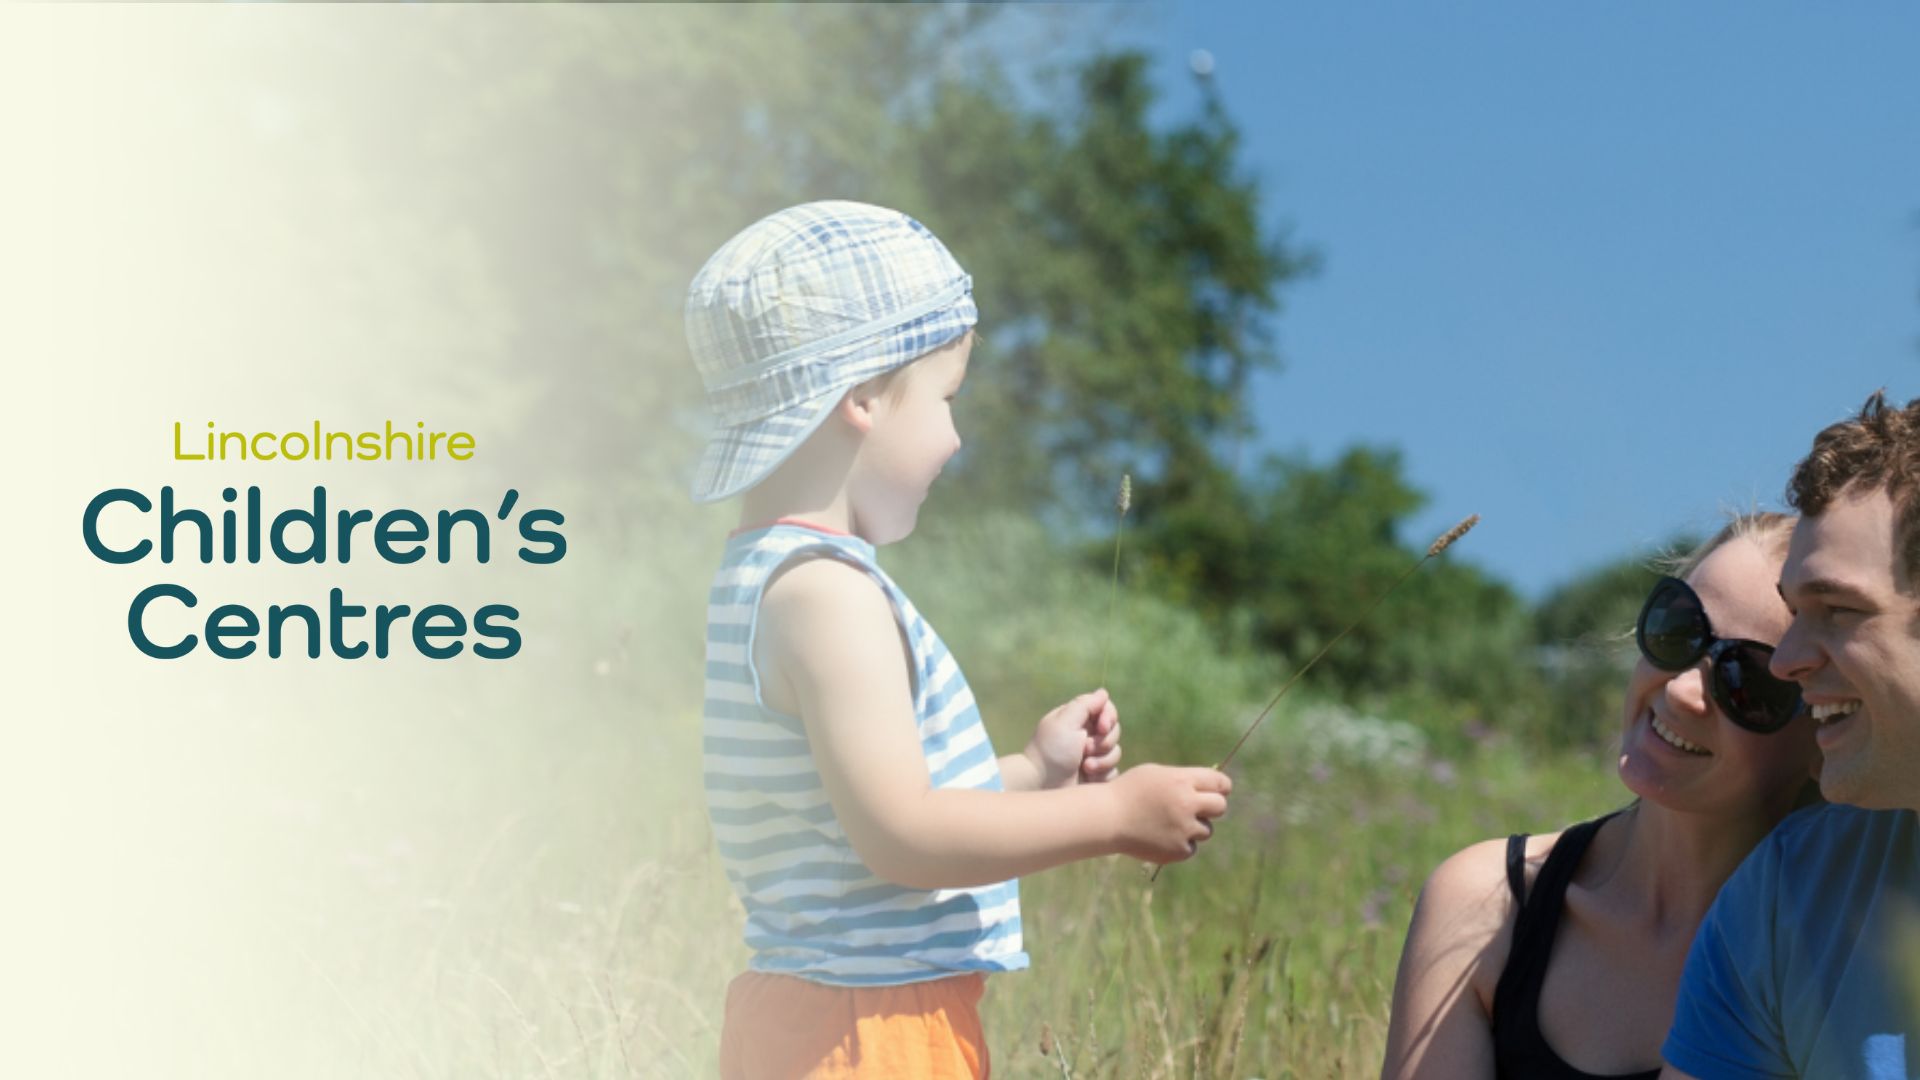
point(860, 812)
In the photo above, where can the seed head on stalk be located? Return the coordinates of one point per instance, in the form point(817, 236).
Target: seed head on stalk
point(1447, 538)
point(1445, 541)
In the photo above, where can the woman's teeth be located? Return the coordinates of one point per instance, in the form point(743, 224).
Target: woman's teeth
point(1826, 713)
point(1668, 736)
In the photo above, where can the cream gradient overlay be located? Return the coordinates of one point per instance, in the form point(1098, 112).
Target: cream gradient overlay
point(265, 217)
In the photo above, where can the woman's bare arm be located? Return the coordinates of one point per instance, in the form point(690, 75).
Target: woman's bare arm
point(1442, 997)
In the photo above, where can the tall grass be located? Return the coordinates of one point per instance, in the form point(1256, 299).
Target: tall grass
point(547, 904)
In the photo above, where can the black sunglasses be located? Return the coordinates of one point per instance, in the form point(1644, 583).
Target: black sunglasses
point(1673, 633)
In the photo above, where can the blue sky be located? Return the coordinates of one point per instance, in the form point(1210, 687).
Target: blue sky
point(1599, 273)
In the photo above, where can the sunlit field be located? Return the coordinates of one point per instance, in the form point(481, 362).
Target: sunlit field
point(545, 900)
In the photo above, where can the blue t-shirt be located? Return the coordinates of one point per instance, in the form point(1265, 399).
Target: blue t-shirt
point(1808, 964)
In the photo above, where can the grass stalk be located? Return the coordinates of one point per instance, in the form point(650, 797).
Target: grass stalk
point(1445, 541)
point(1113, 586)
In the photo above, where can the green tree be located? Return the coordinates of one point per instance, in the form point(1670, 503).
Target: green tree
point(1295, 554)
point(1585, 629)
point(1125, 278)
point(1127, 271)
point(1123, 272)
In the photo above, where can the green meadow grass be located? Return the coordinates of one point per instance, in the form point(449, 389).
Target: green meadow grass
point(581, 927)
point(549, 903)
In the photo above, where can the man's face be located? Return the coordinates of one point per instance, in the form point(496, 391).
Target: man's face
point(1854, 647)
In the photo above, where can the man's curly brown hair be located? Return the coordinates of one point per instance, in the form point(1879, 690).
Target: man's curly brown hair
point(1879, 450)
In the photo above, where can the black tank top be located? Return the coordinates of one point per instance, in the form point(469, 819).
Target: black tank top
point(1520, 1051)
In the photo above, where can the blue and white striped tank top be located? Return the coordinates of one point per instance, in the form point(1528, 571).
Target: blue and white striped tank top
point(813, 908)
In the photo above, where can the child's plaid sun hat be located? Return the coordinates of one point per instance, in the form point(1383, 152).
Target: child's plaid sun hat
point(801, 306)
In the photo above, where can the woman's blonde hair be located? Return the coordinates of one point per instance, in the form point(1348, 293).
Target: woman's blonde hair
point(1767, 528)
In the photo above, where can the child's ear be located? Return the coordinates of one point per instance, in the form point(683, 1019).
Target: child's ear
point(857, 408)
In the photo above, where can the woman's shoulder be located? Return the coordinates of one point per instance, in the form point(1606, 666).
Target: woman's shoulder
point(1456, 948)
point(1478, 874)
point(1467, 906)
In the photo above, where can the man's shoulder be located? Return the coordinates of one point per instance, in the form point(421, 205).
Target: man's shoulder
point(1779, 980)
point(1834, 830)
point(1824, 854)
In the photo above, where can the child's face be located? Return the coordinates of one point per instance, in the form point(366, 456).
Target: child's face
point(911, 439)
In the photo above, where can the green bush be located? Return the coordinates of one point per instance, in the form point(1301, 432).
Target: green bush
point(1028, 622)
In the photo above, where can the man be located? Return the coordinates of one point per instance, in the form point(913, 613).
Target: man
point(1808, 964)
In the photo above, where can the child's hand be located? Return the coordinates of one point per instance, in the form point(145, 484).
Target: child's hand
point(1165, 811)
point(1079, 742)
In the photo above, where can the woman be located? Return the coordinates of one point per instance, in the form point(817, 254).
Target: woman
point(1559, 956)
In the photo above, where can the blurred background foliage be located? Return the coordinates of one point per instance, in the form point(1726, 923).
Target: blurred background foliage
point(1129, 269)
point(541, 183)
point(1130, 275)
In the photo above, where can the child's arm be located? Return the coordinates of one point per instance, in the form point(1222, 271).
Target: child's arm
point(831, 651)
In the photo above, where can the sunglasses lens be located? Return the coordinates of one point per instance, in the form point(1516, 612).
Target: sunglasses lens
point(1748, 693)
point(1673, 626)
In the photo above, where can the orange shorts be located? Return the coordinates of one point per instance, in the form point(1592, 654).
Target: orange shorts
point(779, 1027)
